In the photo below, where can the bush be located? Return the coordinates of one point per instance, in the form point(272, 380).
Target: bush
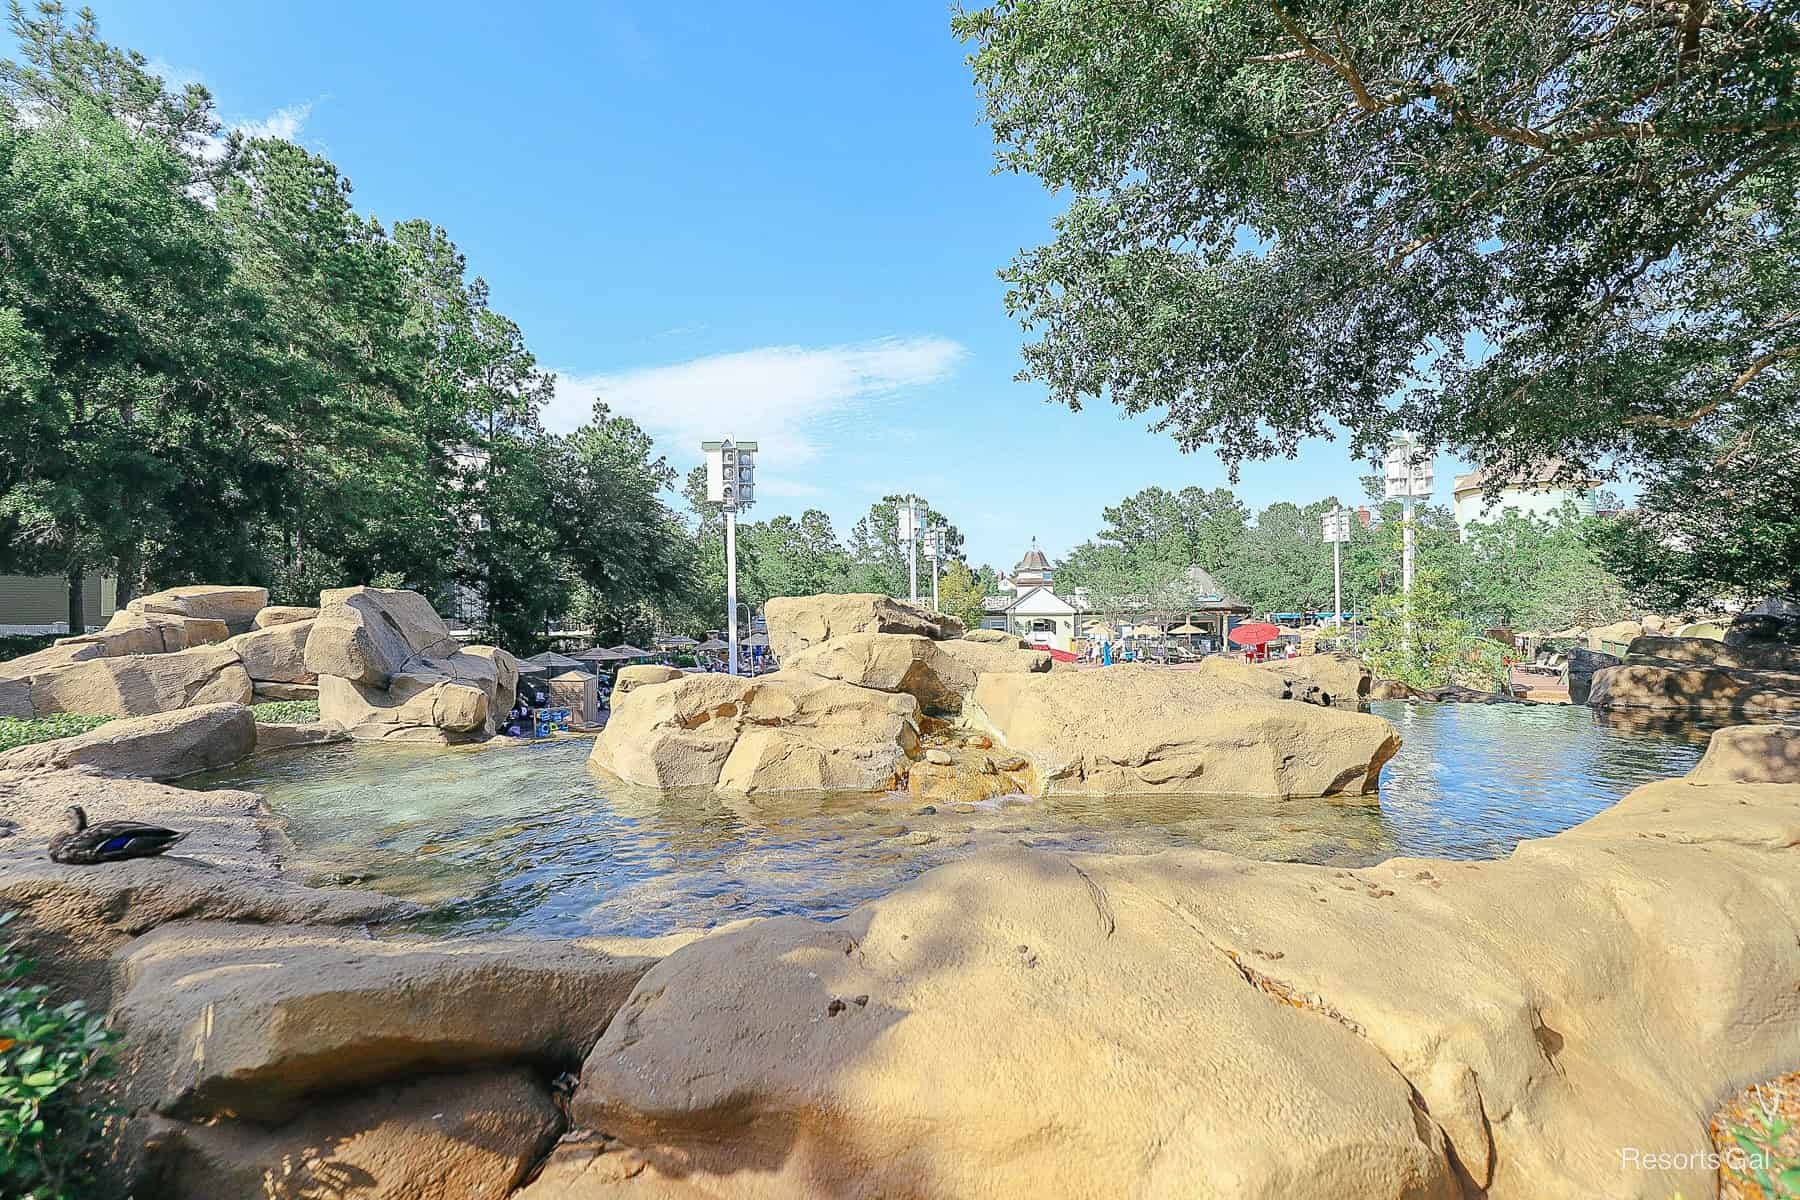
point(49, 1131)
point(18, 645)
point(16, 731)
point(287, 712)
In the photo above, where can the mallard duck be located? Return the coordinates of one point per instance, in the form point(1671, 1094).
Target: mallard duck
point(109, 841)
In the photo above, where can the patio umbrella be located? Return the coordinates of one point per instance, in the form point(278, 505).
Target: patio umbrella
point(1255, 633)
point(554, 661)
point(679, 641)
point(1144, 629)
point(712, 646)
point(597, 654)
point(627, 650)
point(1103, 633)
point(1187, 629)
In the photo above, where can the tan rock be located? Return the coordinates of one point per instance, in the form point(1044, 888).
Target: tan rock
point(628, 678)
point(1340, 678)
point(140, 684)
point(1192, 1024)
point(424, 709)
point(696, 731)
point(285, 614)
point(369, 634)
point(1147, 729)
point(273, 736)
point(264, 691)
point(591, 1166)
point(237, 606)
point(1751, 754)
point(1701, 690)
point(997, 637)
point(939, 674)
point(163, 746)
point(1618, 633)
point(443, 1137)
point(276, 654)
point(252, 1021)
point(161, 633)
point(796, 622)
point(1703, 652)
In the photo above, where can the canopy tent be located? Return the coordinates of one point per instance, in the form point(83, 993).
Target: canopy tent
point(627, 650)
point(599, 654)
point(551, 660)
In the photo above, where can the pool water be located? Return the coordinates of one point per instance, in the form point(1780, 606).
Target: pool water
point(524, 838)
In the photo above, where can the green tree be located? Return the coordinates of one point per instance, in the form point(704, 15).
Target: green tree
point(960, 594)
point(877, 560)
point(1570, 233)
point(1422, 644)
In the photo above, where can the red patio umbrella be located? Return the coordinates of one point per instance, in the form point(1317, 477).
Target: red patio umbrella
point(1254, 633)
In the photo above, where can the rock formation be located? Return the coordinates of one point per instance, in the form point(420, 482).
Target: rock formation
point(234, 605)
point(796, 622)
point(389, 670)
point(1701, 677)
point(1340, 678)
point(162, 746)
point(938, 674)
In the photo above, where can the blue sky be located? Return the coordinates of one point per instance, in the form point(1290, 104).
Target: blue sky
point(778, 223)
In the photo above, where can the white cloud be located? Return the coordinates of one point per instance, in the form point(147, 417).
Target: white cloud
point(787, 398)
point(284, 123)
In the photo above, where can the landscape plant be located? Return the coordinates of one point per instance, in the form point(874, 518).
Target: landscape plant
point(27, 731)
point(286, 712)
point(51, 1057)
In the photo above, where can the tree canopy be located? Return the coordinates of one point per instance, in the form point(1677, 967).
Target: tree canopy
point(1568, 232)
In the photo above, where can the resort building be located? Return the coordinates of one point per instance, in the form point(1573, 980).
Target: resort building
point(1537, 492)
point(1029, 607)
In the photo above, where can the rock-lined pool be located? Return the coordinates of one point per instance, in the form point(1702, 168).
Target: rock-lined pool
point(524, 838)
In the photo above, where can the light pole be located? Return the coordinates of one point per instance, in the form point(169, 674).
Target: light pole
point(731, 484)
point(934, 554)
point(1410, 476)
point(1337, 532)
point(907, 523)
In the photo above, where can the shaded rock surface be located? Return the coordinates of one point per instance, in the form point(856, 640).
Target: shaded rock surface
point(1143, 729)
point(1751, 754)
point(1706, 691)
point(796, 622)
point(1582, 664)
point(162, 746)
point(367, 635)
point(1701, 652)
point(453, 1137)
point(274, 736)
point(234, 604)
point(938, 674)
point(250, 1021)
point(1339, 678)
point(138, 685)
point(1194, 1024)
point(786, 731)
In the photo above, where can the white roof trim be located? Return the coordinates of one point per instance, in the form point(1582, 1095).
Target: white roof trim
point(1041, 601)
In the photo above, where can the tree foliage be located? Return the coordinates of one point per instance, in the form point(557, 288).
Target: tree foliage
point(1568, 231)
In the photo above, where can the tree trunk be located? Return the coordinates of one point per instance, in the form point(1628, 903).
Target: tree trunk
point(77, 620)
point(130, 565)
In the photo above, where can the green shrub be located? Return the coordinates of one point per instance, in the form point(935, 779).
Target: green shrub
point(49, 1131)
point(15, 731)
point(18, 645)
point(287, 712)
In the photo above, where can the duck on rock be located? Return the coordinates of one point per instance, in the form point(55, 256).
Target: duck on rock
point(85, 845)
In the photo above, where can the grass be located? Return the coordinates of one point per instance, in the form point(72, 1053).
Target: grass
point(287, 712)
point(16, 731)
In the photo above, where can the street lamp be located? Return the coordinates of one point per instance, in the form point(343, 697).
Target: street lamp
point(908, 526)
point(731, 484)
point(1410, 476)
point(1337, 532)
point(934, 553)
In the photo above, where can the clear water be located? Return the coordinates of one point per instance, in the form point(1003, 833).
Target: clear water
point(523, 838)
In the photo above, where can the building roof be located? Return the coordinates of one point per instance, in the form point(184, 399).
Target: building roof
point(1041, 600)
point(1034, 560)
point(1541, 475)
point(1203, 591)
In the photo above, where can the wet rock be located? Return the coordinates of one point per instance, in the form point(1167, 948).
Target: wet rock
point(270, 736)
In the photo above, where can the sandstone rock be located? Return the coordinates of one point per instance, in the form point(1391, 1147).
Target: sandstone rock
point(1700, 690)
point(276, 654)
point(997, 637)
point(162, 746)
point(1710, 630)
point(228, 869)
point(428, 709)
point(796, 622)
point(283, 691)
point(285, 614)
point(628, 678)
point(591, 1166)
point(1582, 664)
point(1389, 689)
point(1751, 754)
point(162, 633)
point(1770, 623)
point(1340, 678)
point(779, 732)
point(1138, 729)
point(252, 1021)
point(1754, 656)
point(234, 605)
point(446, 1137)
point(137, 685)
point(939, 674)
point(367, 635)
point(272, 736)
point(1197, 1025)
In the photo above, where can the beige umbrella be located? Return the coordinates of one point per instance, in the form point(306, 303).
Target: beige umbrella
point(1103, 633)
point(1144, 629)
point(1187, 628)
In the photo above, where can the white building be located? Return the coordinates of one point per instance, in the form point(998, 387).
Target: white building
point(1536, 493)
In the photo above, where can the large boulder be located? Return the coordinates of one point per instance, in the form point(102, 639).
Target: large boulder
point(276, 654)
point(470, 1136)
point(367, 635)
point(137, 685)
point(1772, 622)
point(255, 1021)
point(1581, 664)
point(236, 606)
point(628, 679)
point(163, 746)
point(1703, 652)
point(997, 637)
point(1751, 754)
point(425, 708)
point(1701, 691)
point(796, 622)
point(1619, 633)
point(939, 674)
point(1195, 1024)
point(1139, 729)
point(787, 731)
point(1339, 678)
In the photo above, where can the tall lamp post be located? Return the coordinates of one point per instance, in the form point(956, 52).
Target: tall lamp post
point(1337, 532)
point(907, 525)
point(934, 554)
point(1410, 476)
point(731, 484)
